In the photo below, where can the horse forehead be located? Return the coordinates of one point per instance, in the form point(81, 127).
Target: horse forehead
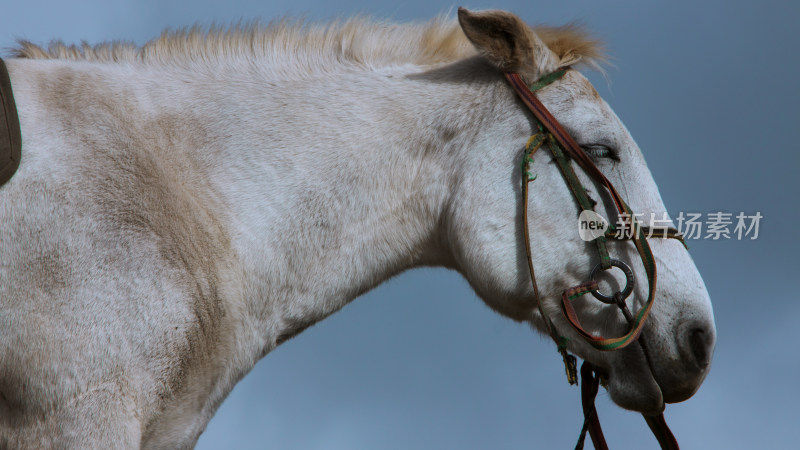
point(580, 108)
point(576, 90)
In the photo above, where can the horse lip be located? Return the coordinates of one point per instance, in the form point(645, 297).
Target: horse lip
point(660, 389)
point(645, 376)
point(663, 399)
point(684, 379)
point(676, 393)
point(680, 395)
point(605, 380)
point(640, 406)
point(664, 402)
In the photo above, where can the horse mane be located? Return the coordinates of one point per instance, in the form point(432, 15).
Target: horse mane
point(360, 41)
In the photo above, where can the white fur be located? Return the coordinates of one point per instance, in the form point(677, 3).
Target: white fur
point(171, 224)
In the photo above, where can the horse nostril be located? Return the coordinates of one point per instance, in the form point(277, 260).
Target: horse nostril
point(701, 344)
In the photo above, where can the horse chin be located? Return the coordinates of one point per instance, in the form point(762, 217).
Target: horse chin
point(678, 387)
point(636, 390)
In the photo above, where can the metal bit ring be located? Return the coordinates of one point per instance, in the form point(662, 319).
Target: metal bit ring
point(626, 291)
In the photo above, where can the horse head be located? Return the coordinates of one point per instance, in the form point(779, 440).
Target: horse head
point(490, 242)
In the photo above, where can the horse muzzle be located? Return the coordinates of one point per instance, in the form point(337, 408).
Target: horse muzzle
point(679, 380)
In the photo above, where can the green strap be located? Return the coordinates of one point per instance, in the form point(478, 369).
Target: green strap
point(579, 192)
point(547, 79)
point(570, 363)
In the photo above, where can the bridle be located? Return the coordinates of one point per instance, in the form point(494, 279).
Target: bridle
point(565, 149)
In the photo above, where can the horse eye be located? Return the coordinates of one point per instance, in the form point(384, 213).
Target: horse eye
point(600, 151)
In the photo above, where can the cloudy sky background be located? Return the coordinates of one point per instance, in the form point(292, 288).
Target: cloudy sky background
point(710, 92)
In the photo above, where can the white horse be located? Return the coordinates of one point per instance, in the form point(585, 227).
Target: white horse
point(183, 208)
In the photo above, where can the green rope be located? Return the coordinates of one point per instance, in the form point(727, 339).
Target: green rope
point(531, 147)
point(547, 79)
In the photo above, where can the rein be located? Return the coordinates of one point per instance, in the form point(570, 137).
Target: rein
point(565, 150)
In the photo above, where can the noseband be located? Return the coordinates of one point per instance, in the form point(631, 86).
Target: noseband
point(565, 149)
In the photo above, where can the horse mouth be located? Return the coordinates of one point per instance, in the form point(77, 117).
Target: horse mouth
point(676, 391)
point(633, 385)
point(649, 401)
point(678, 396)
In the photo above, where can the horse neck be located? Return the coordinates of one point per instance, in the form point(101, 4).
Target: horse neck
point(326, 185)
point(341, 183)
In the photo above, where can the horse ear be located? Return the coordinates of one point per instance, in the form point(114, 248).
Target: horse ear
point(508, 42)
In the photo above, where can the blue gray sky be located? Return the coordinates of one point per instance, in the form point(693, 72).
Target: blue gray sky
point(708, 89)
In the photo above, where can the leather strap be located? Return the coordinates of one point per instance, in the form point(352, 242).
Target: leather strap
point(590, 384)
point(570, 146)
point(10, 136)
point(562, 139)
point(662, 432)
